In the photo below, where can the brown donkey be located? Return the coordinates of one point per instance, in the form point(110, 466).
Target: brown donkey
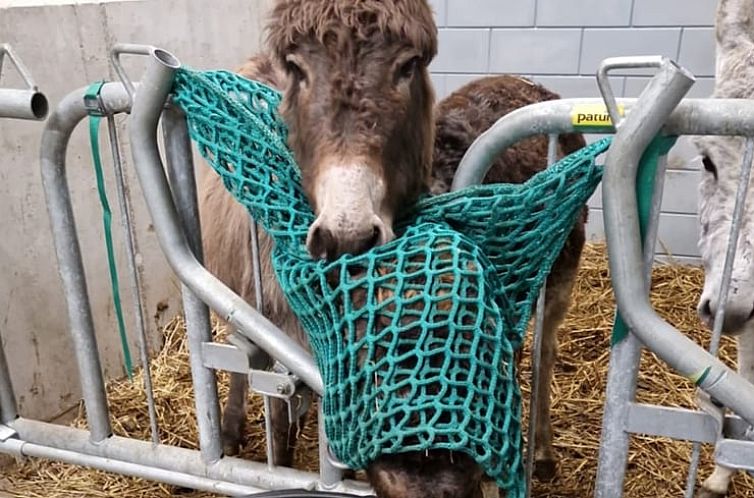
point(359, 106)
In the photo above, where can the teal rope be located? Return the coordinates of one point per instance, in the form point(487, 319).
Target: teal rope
point(645, 186)
point(95, 117)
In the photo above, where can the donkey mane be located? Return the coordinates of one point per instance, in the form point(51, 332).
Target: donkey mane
point(293, 21)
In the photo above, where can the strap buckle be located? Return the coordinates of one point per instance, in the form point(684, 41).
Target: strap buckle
point(93, 102)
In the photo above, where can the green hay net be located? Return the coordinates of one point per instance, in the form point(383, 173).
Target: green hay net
point(415, 340)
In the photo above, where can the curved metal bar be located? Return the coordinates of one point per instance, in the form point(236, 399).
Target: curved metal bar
point(55, 137)
point(145, 115)
point(132, 49)
point(662, 95)
point(691, 117)
point(629, 62)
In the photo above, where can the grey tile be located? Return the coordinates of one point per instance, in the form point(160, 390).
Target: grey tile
point(462, 51)
point(439, 84)
point(456, 81)
point(577, 86)
point(698, 51)
point(541, 51)
point(600, 44)
point(678, 233)
point(703, 87)
point(674, 12)
point(492, 13)
point(583, 13)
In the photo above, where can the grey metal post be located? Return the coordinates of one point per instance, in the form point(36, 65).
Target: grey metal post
point(539, 322)
point(121, 185)
point(625, 256)
point(55, 139)
point(181, 173)
point(143, 124)
point(8, 409)
point(662, 94)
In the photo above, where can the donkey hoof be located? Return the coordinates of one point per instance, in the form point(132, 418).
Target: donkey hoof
point(706, 493)
point(545, 469)
point(231, 445)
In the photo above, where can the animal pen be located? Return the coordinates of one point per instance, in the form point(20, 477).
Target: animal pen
point(632, 176)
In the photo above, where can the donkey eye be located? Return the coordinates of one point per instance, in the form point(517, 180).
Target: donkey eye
point(407, 70)
point(709, 166)
point(295, 71)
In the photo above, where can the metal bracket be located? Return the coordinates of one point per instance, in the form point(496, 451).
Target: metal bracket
point(629, 62)
point(6, 49)
point(128, 49)
point(6, 433)
point(735, 454)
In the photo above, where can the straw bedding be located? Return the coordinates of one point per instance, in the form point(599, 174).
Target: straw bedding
point(657, 467)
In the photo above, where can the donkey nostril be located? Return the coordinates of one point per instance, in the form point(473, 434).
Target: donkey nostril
point(376, 236)
point(706, 309)
point(321, 243)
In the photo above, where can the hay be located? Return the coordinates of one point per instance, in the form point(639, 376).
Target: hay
point(657, 467)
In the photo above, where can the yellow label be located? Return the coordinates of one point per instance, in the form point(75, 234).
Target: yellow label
point(593, 115)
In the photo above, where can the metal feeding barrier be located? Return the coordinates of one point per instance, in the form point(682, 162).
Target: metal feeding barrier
point(632, 197)
point(646, 124)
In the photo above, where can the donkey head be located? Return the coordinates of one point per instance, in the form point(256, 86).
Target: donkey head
point(722, 159)
point(358, 104)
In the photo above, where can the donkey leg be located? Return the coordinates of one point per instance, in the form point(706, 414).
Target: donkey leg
point(716, 485)
point(234, 414)
point(557, 300)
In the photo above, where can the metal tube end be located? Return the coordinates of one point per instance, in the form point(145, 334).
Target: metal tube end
point(166, 58)
point(39, 105)
point(23, 104)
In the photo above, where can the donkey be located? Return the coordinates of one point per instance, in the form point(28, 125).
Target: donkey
point(363, 126)
point(721, 158)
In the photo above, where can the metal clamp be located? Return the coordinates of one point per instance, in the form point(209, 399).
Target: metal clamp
point(630, 62)
point(6, 49)
point(129, 49)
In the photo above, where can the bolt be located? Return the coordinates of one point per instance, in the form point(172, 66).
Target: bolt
point(282, 388)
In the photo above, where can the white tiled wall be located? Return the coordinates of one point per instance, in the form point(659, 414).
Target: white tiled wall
point(560, 43)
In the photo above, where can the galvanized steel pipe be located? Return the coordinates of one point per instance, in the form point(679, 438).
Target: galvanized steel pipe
point(148, 106)
point(690, 117)
point(198, 328)
point(662, 95)
point(124, 453)
point(55, 137)
point(21, 448)
point(22, 104)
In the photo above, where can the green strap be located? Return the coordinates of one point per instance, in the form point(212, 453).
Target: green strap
point(645, 185)
point(95, 117)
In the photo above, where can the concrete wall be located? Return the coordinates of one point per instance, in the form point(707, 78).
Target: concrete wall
point(66, 47)
point(561, 43)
